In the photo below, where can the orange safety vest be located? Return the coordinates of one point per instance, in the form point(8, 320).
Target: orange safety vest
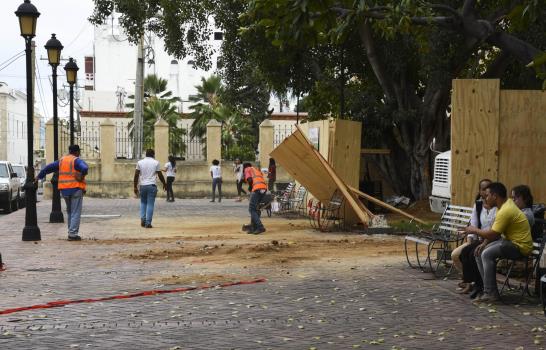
point(68, 173)
point(258, 182)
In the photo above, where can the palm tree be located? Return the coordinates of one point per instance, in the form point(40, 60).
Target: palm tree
point(207, 105)
point(237, 135)
point(159, 103)
point(157, 109)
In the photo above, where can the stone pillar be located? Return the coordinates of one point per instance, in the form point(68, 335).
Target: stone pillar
point(107, 150)
point(265, 145)
point(161, 141)
point(214, 140)
point(49, 135)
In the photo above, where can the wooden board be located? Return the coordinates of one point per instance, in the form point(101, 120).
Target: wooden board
point(344, 156)
point(385, 205)
point(474, 136)
point(303, 166)
point(298, 157)
point(522, 141)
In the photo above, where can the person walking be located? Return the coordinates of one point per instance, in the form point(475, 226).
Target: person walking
point(255, 180)
point(71, 182)
point(271, 174)
point(170, 171)
point(216, 175)
point(147, 171)
point(238, 171)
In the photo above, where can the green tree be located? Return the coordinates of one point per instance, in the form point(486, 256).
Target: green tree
point(159, 104)
point(237, 136)
point(393, 61)
point(413, 50)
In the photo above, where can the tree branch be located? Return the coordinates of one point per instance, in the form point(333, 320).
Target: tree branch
point(377, 66)
point(468, 8)
point(498, 66)
point(521, 50)
point(439, 20)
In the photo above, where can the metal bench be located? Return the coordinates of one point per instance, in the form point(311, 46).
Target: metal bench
point(440, 240)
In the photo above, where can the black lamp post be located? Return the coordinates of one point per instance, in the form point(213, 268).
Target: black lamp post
point(54, 48)
point(28, 15)
point(71, 69)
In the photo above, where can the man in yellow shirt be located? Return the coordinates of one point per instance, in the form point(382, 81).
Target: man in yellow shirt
point(509, 237)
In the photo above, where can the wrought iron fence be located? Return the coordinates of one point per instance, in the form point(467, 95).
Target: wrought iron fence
point(86, 135)
point(280, 132)
point(184, 146)
point(124, 142)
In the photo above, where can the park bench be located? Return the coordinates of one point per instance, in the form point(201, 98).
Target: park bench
point(441, 239)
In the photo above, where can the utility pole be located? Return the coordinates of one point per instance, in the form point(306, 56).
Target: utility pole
point(138, 122)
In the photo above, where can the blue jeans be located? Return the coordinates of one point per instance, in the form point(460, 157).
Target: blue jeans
point(147, 202)
point(255, 199)
point(74, 212)
point(487, 262)
point(217, 182)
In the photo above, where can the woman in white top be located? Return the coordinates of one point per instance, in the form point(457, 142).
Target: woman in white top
point(238, 171)
point(216, 174)
point(483, 216)
point(170, 170)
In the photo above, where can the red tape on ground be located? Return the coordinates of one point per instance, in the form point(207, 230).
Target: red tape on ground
point(60, 303)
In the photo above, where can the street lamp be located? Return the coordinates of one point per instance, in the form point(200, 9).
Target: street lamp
point(71, 69)
point(28, 15)
point(54, 48)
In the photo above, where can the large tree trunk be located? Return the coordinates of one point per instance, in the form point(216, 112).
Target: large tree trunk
point(409, 167)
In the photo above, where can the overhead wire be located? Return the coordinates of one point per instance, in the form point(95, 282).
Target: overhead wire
point(11, 60)
point(41, 92)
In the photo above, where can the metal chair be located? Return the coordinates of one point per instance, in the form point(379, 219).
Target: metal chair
point(329, 215)
point(297, 202)
point(530, 263)
point(284, 198)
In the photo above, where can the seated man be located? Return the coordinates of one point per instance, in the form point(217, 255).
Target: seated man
point(510, 237)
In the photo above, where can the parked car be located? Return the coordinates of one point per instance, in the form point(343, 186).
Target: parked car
point(10, 187)
point(21, 171)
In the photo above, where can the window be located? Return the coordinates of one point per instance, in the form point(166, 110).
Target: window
point(20, 170)
point(219, 63)
point(218, 35)
point(4, 170)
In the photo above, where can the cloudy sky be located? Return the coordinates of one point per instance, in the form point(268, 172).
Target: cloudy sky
point(68, 20)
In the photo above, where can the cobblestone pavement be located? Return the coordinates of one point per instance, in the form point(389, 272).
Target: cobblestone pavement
point(312, 306)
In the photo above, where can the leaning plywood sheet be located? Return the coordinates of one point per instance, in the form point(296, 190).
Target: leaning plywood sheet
point(305, 164)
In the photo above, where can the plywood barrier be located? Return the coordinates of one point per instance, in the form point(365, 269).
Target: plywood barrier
point(305, 164)
point(496, 134)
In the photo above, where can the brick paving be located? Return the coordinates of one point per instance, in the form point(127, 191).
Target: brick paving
point(316, 306)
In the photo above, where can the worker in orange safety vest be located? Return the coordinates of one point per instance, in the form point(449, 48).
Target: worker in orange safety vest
point(256, 182)
point(71, 183)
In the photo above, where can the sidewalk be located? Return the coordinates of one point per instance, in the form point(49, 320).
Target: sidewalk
point(339, 299)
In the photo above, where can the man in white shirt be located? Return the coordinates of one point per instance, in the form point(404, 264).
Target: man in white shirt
point(147, 171)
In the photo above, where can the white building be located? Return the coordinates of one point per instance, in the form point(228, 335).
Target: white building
point(111, 69)
point(13, 126)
